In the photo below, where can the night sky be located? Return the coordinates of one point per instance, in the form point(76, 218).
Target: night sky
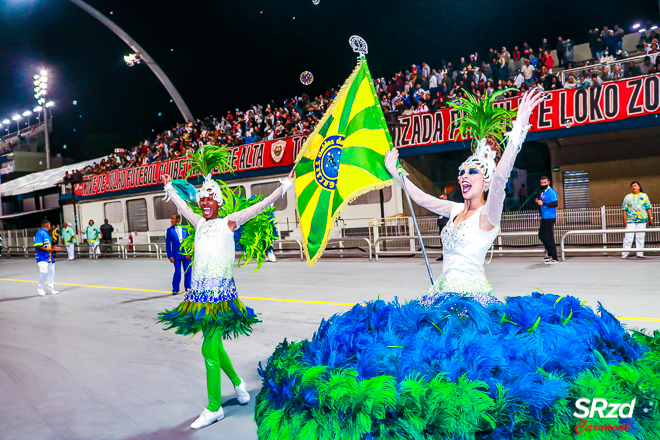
point(222, 55)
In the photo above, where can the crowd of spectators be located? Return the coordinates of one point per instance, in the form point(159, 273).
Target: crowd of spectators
point(298, 115)
point(417, 90)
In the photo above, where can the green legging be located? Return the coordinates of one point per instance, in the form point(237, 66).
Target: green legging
point(216, 360)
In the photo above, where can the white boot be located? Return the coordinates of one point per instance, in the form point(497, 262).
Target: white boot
point(41, 292)
point(53, 292)
point(207, 418)
point(241, 393)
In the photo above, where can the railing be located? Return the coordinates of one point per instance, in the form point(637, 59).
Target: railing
point(396, 235)
point(121, 253)
point(23, 251)
point(343, 250)
point(606, 249)
point(598, 67)
point(497, 247)
point(148, 253)
point(278, 250)
point(412, 250)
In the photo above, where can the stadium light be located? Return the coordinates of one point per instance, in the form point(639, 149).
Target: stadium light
point(636, 25)
point(27, 114)
point(6, 121)
point(132, 59)
point(17, 118)
point(41, 90)
point(654, 27)
point(50, 104)
point(642, 30)
point(37, 109)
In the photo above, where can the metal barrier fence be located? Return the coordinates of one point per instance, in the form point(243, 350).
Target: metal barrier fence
point(396, 235)
point(281, 248)
point(604, 248)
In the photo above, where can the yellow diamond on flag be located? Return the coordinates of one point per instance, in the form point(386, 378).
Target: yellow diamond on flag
point(342, 159)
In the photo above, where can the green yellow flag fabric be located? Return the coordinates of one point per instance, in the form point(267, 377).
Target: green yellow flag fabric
point(342, 159)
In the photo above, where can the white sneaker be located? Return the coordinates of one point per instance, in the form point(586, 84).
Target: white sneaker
point(41, 292)
point(551, 261)
point(207, 418)
point(624, 256)
point(241, 393)
point(53, 292)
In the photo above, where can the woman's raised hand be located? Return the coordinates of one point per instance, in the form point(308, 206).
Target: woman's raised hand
point(530, 100)
point(391, 157)
point(166, 179)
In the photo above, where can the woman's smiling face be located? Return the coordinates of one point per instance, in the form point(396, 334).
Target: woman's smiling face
point(471, 181)
point(209, 207)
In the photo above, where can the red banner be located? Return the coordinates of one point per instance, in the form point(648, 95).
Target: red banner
point(565, 108)
point(267, 154)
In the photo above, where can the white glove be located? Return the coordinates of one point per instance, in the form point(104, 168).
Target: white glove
point(287, 184)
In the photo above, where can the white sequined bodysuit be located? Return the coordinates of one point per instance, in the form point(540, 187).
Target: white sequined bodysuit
point(465, 246)
point(212, 269)
point(212, 272)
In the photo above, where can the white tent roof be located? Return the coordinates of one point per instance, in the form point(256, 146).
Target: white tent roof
point(41, 180)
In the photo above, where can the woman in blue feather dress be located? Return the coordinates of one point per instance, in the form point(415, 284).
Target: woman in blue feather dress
point(458, 363)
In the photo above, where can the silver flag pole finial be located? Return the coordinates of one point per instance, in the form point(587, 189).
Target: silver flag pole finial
point(359, 45)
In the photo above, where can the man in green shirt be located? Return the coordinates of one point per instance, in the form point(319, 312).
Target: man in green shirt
point(93, 235)
point(69, 239)
point(636, 214)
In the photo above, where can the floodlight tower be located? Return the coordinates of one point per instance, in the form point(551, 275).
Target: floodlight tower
point(40, 92)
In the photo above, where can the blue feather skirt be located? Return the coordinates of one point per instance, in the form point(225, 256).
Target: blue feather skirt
point(456, 369)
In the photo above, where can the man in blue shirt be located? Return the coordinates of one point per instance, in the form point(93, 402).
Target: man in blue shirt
point(45, 259)
point(173, 238)
point(548, 202)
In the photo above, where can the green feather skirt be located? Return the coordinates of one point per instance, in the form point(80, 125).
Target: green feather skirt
point(232, 318)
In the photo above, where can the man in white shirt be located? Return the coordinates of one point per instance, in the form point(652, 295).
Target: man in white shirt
point(433, 82)
point(426, 70)
point(527, 73)
point(480, 79)
point(518, 80)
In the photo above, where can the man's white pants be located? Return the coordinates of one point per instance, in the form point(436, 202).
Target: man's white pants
point(639, 238)
point(46, 276)
point(71, 251)
point(94, 248)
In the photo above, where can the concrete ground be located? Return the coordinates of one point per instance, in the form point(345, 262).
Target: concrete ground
point(91, 363)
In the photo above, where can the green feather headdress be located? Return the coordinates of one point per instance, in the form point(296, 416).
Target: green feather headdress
point(208, 157)
point(482, 119)
point(486, 124)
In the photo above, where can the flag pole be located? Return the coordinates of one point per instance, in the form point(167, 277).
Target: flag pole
point(419, 234)
point(360, 47)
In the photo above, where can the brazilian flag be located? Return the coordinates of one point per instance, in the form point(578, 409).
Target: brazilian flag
point(342, 159)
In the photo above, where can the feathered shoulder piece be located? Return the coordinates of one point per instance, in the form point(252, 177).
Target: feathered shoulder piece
point(481, 119)
point(255, 236)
